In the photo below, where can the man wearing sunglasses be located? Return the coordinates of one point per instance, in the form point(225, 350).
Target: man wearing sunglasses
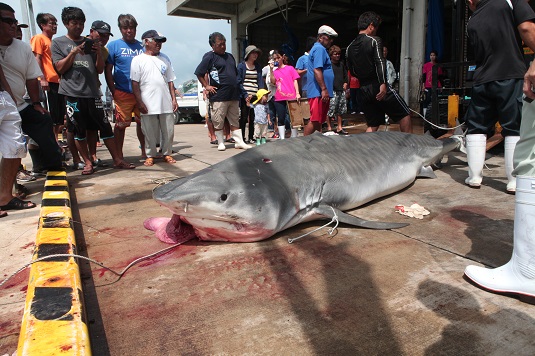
point(22, 73)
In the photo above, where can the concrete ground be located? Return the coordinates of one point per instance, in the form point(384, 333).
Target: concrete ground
point(358, 292)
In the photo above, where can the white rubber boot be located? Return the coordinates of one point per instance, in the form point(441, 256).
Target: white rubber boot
point(282, 132)
point(509, 149)
point(475, 152)
point(220, 140)
point(518, 275)
point(238, 140)
point(294, 132)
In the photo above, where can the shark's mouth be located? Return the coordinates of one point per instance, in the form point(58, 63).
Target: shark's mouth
point(180, 229)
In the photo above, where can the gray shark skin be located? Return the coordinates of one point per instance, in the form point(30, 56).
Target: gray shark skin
point(259, 192)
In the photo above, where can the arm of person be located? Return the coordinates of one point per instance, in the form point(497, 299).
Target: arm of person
point(272, 79)
point(380, 67)
point(209, 88)
point(100, 63)
point(318, 75)
point(137, 94)
point(32, 85)
point(63, 65)
point(527, 33)
point(5, 84)
point(173, 96)
point(108, 74)
point(296, 87)
point(44, 83)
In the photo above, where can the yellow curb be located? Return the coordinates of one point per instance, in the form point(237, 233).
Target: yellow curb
point(54, 321)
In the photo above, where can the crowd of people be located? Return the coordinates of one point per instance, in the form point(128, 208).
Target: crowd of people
point(63, 72)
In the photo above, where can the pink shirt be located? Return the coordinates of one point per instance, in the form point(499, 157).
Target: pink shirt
point(284, 78)
point(428, 72)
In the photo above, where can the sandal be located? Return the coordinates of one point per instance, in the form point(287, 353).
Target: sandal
point(18, 204)
point(214, 142)
point(149, 162)
point(124, 165)
point(3, 214)
point(169, 159)
point(88, 170)
point(98, 163)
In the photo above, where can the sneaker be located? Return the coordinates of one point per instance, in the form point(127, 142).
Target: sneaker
point(275, 136)
point(39, 173)
point(24, 176)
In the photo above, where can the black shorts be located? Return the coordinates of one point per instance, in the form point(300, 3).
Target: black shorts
point(84, 114)
point(56, 104)
point(392, 105)
point(492, 102)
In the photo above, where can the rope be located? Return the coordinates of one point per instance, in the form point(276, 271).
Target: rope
point(438, 127)
point(119, 274)
point(331, 231)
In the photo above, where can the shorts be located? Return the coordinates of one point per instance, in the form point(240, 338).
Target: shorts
point(56, 104)
point(318, 109)
point(337, 104)
point(225, 109)
point(492, 102)
point(374, 110)
point(12, 143)
point(84, 114)
point(125, 106)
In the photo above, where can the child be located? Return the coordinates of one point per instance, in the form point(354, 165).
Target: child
point(338, 104)
point(261, 118)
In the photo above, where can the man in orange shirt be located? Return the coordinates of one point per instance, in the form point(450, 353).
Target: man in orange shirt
point(41, 47)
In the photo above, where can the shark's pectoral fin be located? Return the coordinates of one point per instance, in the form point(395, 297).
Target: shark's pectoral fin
point(329, 211)
point(426, 172)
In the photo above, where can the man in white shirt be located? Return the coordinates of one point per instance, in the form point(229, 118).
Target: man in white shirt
point(152, 83)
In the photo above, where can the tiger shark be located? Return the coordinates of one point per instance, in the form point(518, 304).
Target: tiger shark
point(262, 191)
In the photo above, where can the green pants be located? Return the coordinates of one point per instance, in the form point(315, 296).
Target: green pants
point(524, 156)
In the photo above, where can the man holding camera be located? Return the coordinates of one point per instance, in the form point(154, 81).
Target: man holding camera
point(79, 61)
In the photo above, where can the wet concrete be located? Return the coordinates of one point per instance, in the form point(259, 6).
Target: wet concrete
point(357, 292)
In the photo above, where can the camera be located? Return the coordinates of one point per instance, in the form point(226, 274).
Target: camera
point(88, 47)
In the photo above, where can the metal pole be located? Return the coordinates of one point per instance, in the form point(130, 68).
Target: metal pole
point(28, 18)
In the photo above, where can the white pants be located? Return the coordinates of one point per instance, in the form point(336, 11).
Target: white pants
point(11, 139)
point(154, 127)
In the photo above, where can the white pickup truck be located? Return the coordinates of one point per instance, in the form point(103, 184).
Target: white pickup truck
point(191, 106)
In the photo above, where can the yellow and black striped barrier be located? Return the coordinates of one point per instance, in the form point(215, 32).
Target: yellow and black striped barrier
point(54, 321)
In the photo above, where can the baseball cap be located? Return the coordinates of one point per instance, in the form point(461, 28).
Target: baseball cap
point(22, 25)
point(154, 34)
point(327, 30)
point(101, 27)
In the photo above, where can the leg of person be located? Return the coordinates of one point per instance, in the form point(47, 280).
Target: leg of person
point(331, 113)
point(397, 109)
point(92, 136)
point(151, 131)
point(257, 135)
point(141, 136)
point(280, 109)
point(509, 105)
point(124, 106)
point(314, 124)
point(80, 109)
point(167, 129)
point(480, 119)
point(39, 127)
point(251, 125)
point(218, 119)
point(211, 132)
point(12, 149)
point(244, 113)
point(232, 112)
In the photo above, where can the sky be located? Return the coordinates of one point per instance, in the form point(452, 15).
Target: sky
point(187, 38)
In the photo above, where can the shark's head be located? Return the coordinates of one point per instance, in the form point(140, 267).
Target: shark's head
point(223, 205)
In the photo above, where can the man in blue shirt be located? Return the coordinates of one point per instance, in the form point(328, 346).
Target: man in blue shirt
point(320, 79)
point(117, 74)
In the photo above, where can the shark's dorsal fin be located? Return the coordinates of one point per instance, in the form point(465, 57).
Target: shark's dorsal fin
point(328, 211)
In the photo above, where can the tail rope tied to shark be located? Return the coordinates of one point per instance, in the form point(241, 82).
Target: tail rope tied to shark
point(331, 230)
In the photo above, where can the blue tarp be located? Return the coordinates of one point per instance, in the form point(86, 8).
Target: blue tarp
point(435, 29)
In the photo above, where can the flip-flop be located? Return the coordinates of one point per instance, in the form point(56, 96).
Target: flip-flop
point(124, 165)
point(18, 204)
point(88, 170)
point(21, 191)
point(3, 214)
point(214, 142)
point(169, 159)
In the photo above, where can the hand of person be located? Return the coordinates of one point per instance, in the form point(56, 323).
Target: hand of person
point(325, 95)
point(78, 49)
point(382, 92)
point(44, 85)
point(39, 108)
point(143, 108)
point(298, 97)
point(175, 106)
point(211, 89)
point(529, 82)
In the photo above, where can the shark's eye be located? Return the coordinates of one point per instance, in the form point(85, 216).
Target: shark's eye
point(223, 197)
